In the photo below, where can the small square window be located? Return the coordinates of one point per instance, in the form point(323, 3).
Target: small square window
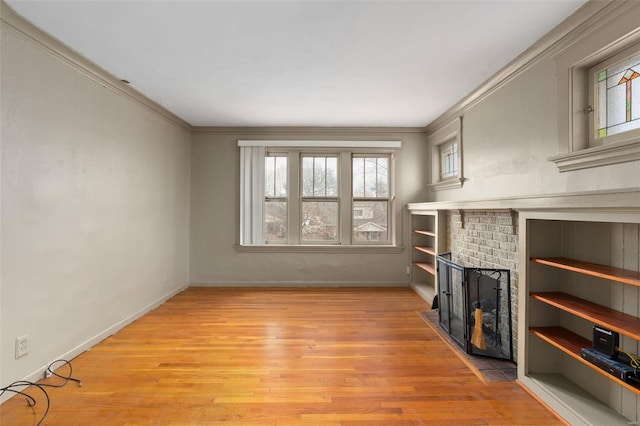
point(448, 160)
point(598, 86)
point(446, 156)
point(615, 96)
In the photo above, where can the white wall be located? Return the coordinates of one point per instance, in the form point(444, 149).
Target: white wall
point(95, 203)
point(215, 216)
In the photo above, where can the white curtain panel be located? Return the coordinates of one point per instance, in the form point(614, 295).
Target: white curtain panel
point(251, 195)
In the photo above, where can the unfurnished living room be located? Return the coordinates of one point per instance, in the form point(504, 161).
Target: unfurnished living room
point(320, 212)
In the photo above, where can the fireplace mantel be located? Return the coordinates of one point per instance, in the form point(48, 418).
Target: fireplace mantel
point(618, 199)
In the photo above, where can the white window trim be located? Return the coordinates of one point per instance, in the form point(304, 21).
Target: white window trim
point(249, 226)
point(390, 200)
point(321, 144)
point(573, 64)
point(449, 133)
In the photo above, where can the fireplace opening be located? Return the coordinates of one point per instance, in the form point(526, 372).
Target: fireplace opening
point(475, 307)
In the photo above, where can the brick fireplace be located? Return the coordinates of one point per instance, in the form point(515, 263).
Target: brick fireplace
point(486, 239)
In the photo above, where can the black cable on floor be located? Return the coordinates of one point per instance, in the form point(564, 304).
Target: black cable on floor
point(20, 386)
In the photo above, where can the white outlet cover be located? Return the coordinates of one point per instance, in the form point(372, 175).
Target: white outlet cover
point(22, 346)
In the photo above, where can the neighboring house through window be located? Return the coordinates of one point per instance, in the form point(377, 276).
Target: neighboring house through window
point(317, 192)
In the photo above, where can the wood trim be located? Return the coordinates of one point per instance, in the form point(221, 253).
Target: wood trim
point(11, 20)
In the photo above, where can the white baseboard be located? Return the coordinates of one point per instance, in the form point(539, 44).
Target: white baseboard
point(92, 341)
point(341, 284)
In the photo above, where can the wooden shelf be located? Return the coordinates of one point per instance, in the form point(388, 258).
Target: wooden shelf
point(428, 250)
point(421, 232)
point(563, 339)
point(626, 324)
point(592, 269)
point(571, 344)
point(429, 267)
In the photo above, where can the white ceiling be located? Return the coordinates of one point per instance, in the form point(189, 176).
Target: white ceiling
point(300, 63)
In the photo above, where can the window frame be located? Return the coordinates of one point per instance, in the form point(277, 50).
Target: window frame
point(295, 150)
point(285, 198)
point(592, 100)
point(448, 134)
point(576, 149)
point(301, 154)
point(388, 199)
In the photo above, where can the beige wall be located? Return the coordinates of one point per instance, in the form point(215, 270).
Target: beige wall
point(510, 133)
point(95, 205)
point(215, 213)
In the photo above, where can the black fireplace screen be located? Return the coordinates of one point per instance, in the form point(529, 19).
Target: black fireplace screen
point(475, 307)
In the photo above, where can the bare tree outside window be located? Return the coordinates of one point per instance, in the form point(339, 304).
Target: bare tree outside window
point(320, 203)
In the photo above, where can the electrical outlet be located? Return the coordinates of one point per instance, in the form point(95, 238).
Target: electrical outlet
point(408, 269)
point(22, 347)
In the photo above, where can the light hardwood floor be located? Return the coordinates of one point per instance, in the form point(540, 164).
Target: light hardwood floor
point(280, 357)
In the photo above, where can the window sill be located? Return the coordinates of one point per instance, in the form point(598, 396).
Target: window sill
point(604, 155)
point(337, 249)
point(451, 183)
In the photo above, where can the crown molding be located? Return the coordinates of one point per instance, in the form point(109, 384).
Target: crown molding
point(12, 21)
point(591, 16)
point(310, 130)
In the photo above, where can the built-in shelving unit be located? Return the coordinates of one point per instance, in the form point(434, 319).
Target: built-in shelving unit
point(585, 246)
point(426, 227)
point(578, 273)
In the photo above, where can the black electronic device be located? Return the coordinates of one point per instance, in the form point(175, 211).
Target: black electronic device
point(619, 367)
point(605, 341)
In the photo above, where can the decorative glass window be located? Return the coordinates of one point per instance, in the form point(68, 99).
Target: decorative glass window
point(275, 198)
point(599, 95)
point(617, 96)
point(446, 156)
point(448, 160)
point(370, 187)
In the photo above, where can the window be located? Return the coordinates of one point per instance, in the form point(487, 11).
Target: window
point(370, 188)
point(275, 198)
point(338, 194)
point(598, 94)
point(615, 96)
point(320, 200)
point(446, 156)
point(448, 159)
